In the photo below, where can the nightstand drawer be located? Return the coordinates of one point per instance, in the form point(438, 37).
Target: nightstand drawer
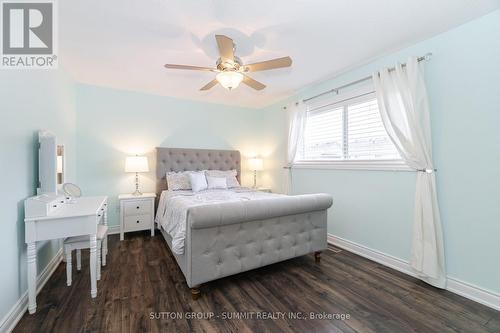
point(138, 222)
point(137, 207)
point(136, 213)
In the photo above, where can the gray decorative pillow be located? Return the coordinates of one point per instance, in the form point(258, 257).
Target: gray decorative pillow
point(178, 180)
point(230, 176)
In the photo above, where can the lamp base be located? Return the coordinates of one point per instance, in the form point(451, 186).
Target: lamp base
point(137, 192)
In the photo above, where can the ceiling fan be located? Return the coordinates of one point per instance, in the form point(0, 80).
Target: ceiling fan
point(231, 71)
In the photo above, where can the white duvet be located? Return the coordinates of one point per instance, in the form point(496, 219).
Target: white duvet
point(173, 206)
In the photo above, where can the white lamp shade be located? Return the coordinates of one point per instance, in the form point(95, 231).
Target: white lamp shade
point(229, 80)
point(256, 164)
point(136, 164)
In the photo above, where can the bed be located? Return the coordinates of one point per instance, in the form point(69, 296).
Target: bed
point(247, 231)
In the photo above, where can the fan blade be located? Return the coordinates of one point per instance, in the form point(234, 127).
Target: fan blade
point(194, 68)
point(253, 83)
point(226, 47)
point(269, 64)
point(209, 85)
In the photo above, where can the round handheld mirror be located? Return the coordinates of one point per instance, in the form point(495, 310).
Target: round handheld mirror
point(72, 190)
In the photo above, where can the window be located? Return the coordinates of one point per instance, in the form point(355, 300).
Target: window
point(349, 132)
point(324, 135)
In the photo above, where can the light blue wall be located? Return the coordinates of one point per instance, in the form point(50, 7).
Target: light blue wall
point(113, 124)
point(375, 208)
point(29, 101)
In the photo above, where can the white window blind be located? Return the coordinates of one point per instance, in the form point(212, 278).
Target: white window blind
point(348, 131)
point(366, 135)
point(324, 135)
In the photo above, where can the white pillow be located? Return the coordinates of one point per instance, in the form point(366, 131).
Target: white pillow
point(217, 182)
point(230, 176)
point(198, 181)
point(178, 180)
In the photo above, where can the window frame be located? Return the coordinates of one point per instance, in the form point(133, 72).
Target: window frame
point(356, 96)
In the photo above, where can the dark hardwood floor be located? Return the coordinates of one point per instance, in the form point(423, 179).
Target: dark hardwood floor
point(142, 285)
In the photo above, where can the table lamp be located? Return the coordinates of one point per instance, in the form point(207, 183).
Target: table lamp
point(136, 164)
point(255, 164)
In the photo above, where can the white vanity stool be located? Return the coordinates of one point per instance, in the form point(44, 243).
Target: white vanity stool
point(82, 242)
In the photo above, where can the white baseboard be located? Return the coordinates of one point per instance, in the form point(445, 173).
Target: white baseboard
point(15, 314)
point(467, 290)
point(473, 292)
point(113, 229)
point(377, 256)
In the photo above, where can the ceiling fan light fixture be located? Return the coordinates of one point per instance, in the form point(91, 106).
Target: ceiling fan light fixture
point(229, 79)
point(231, 70)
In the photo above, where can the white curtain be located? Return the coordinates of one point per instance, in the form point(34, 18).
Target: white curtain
point(404, 109)
point(296, 115)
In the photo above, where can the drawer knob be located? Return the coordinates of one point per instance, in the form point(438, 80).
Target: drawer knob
point(137, 221)
point(137, 207)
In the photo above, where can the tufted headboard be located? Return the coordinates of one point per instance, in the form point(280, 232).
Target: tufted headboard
point(181, 159)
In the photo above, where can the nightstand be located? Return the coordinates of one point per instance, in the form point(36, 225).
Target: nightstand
point(137, 213)
point(264, 189)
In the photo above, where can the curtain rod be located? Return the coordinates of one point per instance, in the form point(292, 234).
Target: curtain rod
point(336, 90)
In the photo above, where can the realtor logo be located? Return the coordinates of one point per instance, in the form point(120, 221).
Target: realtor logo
point(28, 30)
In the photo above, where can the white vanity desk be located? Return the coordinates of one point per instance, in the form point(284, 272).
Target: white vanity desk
point(59, 219)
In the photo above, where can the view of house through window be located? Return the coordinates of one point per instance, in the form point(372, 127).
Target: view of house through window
point(350, 131)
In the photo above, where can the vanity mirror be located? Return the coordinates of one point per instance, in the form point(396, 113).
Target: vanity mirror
point(60, 164)
point(72, 192)
point(51, 163)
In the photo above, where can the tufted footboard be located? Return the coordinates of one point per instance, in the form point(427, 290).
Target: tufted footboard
point(235, 237)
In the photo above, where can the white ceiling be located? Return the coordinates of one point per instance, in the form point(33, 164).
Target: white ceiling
point(124, 44)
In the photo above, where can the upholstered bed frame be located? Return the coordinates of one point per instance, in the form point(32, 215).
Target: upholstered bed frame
point(233, 237)
point(179, 159)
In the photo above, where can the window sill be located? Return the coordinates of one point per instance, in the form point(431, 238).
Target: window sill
point(387, 165)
